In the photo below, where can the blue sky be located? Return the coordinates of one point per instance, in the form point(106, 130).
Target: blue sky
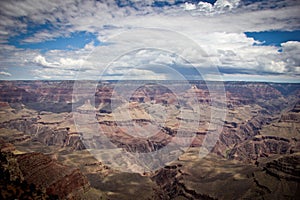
point(245, 40)
point(275, 38)
point(75, 40)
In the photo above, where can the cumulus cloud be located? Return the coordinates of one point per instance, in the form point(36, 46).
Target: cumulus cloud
point(189, 6)
point(59, 62)
point(205, 7)
point(235, 53)
point(11, 56)
point(220, 6)
point(97, 16)
point(217, 29)
point(40, 60)
point(5, 73)
point(290, 55)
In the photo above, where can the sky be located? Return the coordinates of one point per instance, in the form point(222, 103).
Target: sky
point(230, 40)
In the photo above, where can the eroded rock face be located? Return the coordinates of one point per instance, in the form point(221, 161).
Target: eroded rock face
point(170, 180)
point(292, 116)
point(274, 137)
point(6, 146)
point(264, 146)
point(215, 178)
point(285, 167)
point(36, 175)
point(262, 121)
point(12, 183)
point(54, 92)
point(250, 107)
point(45, 133)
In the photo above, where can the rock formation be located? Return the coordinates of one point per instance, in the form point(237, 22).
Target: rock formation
point(256, 155)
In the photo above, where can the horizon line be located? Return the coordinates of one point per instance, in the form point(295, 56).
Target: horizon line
point(225, 81)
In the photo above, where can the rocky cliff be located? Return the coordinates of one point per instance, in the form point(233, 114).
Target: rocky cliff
point(38, 176)
point(255, 157)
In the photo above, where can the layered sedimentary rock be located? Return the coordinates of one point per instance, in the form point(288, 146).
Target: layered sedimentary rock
point(280, 136)
point(261, 147)
point(250, 106)
point(56, 178)
point(38, 176)
point(285, 167)
point(215, 178)
point(255, 156)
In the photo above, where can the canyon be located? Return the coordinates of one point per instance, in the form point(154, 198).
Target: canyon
point(149, 140)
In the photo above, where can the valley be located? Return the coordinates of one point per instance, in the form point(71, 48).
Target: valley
point(92, 140)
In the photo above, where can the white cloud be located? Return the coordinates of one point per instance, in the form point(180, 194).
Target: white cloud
point(43, 36)
point(40, 60)
point(218, 29)
point(11, 56)
point(221, 5)
point(68, 16)
point(5, 73)
point(69, 62)
point(53, 73)
point(290, 55)
point(189, 6)
point(59, 61)
point(231, 52)
point(205, 7)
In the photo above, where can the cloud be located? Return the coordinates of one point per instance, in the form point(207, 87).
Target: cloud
point(233, 53)
point(43, 36)
point(290, 55)
point(189, 6)
point(60, 62)
point(53, 73)
point(217, 29)
point(40, 60)
point(97, 16)
point(11, 56)
point(220, 6)
point(5, 73)
point(205, 7)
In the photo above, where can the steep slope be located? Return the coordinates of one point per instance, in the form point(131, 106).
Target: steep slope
point(38, 176)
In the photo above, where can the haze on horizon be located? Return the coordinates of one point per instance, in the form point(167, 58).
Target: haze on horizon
point(244, 40)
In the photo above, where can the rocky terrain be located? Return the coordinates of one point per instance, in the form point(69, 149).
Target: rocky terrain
point(57, 142)
point(38, 176)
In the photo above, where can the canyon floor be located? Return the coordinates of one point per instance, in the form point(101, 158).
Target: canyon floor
point(87, 140)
